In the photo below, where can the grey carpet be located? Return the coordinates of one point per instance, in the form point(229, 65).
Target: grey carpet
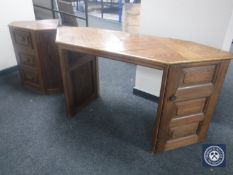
point(109, 137)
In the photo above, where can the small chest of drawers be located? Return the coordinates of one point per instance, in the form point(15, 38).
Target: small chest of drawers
point(37, 54)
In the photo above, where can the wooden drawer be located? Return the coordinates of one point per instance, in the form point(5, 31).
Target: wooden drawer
point(187, 112)
point(196, 82)
point(190, 107)
point(27, 59)
point(197, 75)
point(22, 38)
point(183, 131)
point(30, 77)
point(37, 55)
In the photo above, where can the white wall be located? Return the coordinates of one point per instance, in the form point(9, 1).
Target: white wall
point(42, 13)
point(208, 22)
point(228, 36)
point(231, 50)
point(11, 11)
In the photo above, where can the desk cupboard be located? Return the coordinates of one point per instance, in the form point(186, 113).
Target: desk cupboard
point(193, 75)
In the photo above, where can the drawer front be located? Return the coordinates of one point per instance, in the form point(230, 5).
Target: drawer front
point(197, 75)
point(183, 131)
point(27, 60)
point(190, 100)
point(30, 77)
point(196, 82)
point(189, 107)
point(22, 38)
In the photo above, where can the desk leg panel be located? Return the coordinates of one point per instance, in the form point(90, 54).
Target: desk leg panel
point(80, 76)
point(190, 96)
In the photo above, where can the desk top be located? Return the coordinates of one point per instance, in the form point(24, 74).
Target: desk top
point(135, 48)
point(47, 24)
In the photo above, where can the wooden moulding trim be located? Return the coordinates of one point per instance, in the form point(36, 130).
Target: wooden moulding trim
point(115, 56)
point(181, 142)
point(140, 60)
point(160, 110)
point(189, 119)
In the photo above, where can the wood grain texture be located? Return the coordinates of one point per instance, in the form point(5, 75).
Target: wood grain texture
point(192, 78)
point(47, 24)
point(37, 54)
point(186, 116)
point(49, 60)
point(80, 77)
point(135, 48)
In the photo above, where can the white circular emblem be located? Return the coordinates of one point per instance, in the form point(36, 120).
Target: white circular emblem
point(214, 156)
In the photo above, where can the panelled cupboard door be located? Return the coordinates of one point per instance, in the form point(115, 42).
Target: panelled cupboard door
point(80, 79)
point(190, 98)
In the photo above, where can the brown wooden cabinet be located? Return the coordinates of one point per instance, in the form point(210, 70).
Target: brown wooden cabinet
point(37, 54)
point(189, 102)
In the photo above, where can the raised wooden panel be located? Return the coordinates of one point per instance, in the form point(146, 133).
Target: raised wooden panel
point(22, 38)
point(183, 131)
point(198, 75)
point(190, 107)
point(27, 60)
point(31, 77)
point(82, 59)
point(181, 142)
point(49, 59)
point(194, 118)
point(194, 91)
point(83, 83)
point(79, 80)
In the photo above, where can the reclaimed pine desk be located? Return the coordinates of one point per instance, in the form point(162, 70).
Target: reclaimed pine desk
point(193, 75)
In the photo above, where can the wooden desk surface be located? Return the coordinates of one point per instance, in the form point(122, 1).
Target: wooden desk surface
point(47, 24)
point(136, 48)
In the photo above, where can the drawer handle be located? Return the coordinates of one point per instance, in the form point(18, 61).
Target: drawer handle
point(172, 98)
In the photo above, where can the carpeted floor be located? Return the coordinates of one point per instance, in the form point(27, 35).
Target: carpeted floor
point(109, 137)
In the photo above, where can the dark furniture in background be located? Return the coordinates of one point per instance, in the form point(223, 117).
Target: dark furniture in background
point(40, 8)
point(37, 54)
point(66, 6)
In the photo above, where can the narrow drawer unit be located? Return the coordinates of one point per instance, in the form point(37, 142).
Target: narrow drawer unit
point(37, 55)
point(183, 131)
point(188, 104)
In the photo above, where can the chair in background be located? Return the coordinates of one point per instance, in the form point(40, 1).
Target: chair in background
point(66, 6)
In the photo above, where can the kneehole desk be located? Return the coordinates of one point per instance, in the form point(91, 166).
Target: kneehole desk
point(193, 75)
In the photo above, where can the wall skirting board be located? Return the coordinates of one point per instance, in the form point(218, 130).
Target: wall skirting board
point(8, 70)
point(145, 95)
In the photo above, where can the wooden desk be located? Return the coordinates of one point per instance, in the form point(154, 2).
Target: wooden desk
point(193, 75)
